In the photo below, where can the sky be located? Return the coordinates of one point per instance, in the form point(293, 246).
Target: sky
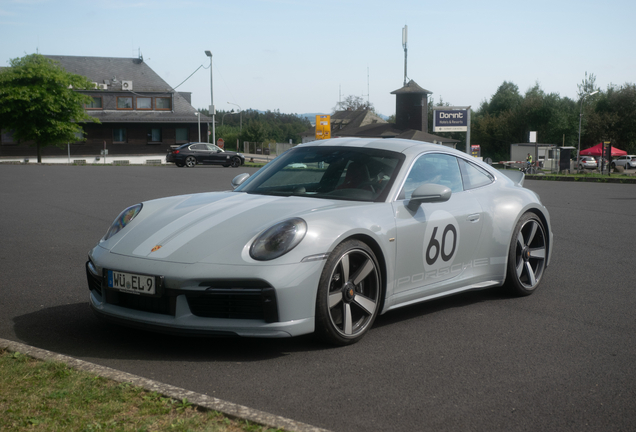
point(299, 56)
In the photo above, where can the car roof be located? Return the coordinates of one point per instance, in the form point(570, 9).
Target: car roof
point(392, 144)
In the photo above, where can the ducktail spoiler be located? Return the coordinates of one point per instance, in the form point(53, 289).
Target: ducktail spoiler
point(514, 175)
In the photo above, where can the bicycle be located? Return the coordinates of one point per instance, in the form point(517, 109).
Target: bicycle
point(529, 169)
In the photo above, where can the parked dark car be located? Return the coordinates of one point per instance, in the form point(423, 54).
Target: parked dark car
point(191, 154)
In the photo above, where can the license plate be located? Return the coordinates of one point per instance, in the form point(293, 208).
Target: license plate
point(132, 283)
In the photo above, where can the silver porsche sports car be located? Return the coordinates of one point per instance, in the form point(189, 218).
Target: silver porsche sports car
point(332, 234)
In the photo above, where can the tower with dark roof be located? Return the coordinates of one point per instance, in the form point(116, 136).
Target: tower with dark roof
point(411, 107)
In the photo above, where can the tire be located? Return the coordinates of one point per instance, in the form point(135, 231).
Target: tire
point(190, 161)
point(236, 162)
point(345, 310)
point(527, 255)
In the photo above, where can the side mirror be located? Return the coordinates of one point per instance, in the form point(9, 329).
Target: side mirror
point(239, 179)
point(429, 193)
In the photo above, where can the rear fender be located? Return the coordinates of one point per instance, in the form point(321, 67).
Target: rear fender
point(514, 175)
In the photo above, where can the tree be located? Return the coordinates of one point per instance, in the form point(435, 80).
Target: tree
point(613, 117)
point(230, 135)
point(505, 99)
point(270, 126)
point(588, 85)
point(354, 103)
point(38, 102)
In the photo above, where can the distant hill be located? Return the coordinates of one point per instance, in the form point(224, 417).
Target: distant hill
point(311, 117)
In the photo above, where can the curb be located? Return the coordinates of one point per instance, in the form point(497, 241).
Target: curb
point(622, 179)
point(200, 400)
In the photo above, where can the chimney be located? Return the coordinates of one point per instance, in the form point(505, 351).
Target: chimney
point(411, 107)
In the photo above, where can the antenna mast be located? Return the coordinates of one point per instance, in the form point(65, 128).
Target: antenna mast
point(367, 95)
point(368, 102)
point(404, 43)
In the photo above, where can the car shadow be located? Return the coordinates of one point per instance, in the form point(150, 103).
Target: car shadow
point(75, 331)
point(429, 307)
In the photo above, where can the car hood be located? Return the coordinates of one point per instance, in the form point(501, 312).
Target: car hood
point(215, 227)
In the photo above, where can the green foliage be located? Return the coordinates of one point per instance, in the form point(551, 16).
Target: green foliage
point(37, 103)
point(507, 98)
point(588, 85)
point(354, 103)
point(509, 117)
point(612, 116)
point(262, 127)
point(230, 135)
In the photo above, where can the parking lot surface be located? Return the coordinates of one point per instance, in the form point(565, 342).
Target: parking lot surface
point(563, 359)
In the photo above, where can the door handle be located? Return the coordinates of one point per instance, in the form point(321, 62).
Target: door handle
point(473, 217)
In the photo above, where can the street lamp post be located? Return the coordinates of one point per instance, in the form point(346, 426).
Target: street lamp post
point(198, 114)
point(578, 154)
point(240, 116)
point(212, 109)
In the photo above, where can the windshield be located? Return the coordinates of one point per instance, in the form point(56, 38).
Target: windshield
point(328, 172)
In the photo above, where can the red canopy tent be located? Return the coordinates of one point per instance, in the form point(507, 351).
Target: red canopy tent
point(597, 150)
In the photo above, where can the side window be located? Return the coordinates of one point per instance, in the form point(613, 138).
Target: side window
point(433, 168)
point(198, 147)
point(474, 176)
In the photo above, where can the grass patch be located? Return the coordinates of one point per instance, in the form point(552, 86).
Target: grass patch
point(585, 177)
point(40, 395)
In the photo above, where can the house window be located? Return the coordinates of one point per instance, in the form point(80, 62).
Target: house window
point(124, 103)
point(155, 135)
point(119, 135)
point(144, 103)
point(6, 137)
point(182, 135)
point(163, 103)
point(95, 104)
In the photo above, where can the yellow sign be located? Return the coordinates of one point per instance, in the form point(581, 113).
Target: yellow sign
point(323, 127)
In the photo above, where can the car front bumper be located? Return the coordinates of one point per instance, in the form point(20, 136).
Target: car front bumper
point(192, 302)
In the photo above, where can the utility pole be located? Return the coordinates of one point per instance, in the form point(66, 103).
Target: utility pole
point(212, 109)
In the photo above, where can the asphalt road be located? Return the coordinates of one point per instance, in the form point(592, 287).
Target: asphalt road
point(563, 359)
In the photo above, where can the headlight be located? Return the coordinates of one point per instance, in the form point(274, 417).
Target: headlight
point(278, 240)
point(122, 220)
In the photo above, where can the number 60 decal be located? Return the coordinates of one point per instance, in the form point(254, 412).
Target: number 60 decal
point(437, 248)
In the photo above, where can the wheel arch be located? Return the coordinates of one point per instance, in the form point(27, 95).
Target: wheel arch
point(379, 255)
point(542, 217)
point(546, 225)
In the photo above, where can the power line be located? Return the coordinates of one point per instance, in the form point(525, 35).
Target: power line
point(174, 88)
